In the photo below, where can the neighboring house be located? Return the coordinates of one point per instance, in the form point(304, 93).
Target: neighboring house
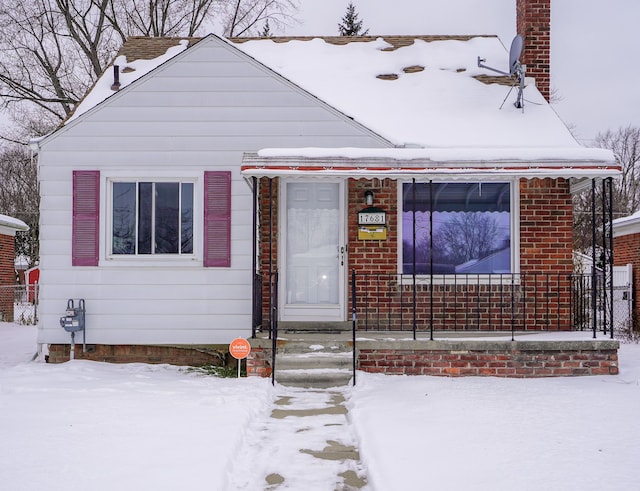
point(194, 167)
point(626, 244)
point(8, 275)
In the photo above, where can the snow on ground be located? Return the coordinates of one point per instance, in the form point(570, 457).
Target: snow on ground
point(87, 425)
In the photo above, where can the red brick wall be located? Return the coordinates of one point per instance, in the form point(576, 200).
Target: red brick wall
point(267, 240)
point(533, 23)
point(373, 256)
point(7, 276)
point(627, 251)
point(546, 238)
point(520, 363)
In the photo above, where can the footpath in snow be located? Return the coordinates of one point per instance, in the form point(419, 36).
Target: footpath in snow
point(309, 429)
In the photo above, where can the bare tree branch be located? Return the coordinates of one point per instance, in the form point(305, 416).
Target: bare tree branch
point(625, 144)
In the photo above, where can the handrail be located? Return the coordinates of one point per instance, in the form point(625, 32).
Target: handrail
point(274, 327)
point(353, 320)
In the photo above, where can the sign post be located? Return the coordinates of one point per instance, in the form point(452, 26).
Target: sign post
point(239, 349)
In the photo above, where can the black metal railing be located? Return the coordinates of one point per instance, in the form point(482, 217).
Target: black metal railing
point(273, 323)
point(474, 302)
point(256, 317)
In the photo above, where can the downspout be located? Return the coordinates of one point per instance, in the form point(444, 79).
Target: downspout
point(34, 149)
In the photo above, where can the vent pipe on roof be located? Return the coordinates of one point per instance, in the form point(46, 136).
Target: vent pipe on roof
point(116, 78)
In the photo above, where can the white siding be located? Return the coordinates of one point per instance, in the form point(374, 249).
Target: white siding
point(200, 111)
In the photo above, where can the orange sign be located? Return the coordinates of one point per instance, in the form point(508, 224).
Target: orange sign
point(239, 348)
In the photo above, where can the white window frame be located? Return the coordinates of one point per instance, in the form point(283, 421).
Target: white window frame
point(107, 258)
point(471, 278)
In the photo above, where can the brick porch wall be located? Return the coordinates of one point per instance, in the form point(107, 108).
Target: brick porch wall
point(511, 359)
point(512, 363)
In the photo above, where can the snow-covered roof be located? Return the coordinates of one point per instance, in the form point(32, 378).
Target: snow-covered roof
point(129, 71)
point(424, 94)
point(12, 224)
point(626, 225)
point(415, 91)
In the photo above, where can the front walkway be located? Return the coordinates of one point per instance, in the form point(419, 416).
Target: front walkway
point(311, 431)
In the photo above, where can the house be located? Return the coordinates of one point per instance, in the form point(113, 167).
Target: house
point(206, 188)
point(8, 274)
point(626, 243)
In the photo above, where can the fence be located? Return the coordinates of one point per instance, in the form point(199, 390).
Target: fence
point(612, 309)
point(19, 303)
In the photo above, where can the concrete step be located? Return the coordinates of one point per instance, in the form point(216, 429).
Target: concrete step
point(296, 346)
point(311, 327)
point(314, 377)
point(317, 363)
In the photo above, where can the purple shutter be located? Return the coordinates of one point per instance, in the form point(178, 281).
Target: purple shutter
point(217, 219)
point(86, 207)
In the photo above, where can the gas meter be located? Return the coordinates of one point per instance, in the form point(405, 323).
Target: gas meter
point(73, 321)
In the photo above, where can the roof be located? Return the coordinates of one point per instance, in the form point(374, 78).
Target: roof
point(626, 225)
point(418, 92)
point(12, 224)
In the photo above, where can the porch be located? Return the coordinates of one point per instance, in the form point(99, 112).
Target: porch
point(442, 353)
point(422, 245)
point(413, 247)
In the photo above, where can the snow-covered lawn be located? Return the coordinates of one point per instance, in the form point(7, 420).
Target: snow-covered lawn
point(85, 425)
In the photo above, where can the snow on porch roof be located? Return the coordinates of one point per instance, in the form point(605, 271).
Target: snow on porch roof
point(432, 163)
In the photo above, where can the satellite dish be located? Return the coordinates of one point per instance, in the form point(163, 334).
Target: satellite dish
point(516, 69)
point(514, 53)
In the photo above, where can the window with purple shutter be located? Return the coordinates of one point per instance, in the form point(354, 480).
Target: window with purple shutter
point(86, 208)
point(217, 219)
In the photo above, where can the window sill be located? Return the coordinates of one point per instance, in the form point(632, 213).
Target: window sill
point(150, 262)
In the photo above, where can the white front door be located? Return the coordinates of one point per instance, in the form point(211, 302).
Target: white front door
point(312, 251)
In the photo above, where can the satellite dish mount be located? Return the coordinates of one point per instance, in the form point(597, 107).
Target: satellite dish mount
point(516, 69)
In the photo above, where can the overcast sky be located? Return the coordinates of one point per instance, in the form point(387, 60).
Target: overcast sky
point(595, 48)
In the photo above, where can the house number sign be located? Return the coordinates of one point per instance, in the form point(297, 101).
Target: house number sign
point(372, 218)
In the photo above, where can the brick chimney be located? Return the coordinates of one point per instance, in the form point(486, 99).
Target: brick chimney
point(533, 23)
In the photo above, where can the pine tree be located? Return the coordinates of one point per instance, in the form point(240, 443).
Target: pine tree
point(350, 25)
point(266, 30)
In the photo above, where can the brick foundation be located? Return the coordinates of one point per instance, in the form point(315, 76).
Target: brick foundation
point(512, 359)
point(494, 360)
point(259, 362)
point(173, 355)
